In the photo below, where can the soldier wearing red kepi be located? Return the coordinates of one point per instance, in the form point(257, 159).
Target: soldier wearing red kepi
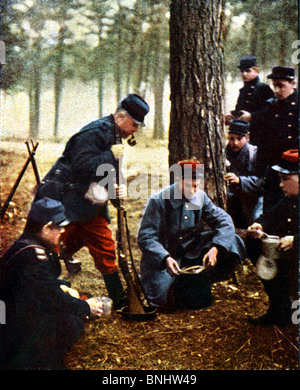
point(187, 243)
point(276, 128)
point(282, 221)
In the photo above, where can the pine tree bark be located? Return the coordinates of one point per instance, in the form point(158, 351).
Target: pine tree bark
point(196, 124)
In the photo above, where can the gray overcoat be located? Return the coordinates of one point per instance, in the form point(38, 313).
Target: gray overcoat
point(165, 217)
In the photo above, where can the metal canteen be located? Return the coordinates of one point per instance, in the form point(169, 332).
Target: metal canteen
point(266, 266)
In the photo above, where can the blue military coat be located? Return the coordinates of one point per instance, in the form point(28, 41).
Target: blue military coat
point(249, 191)
point(42, 322)
point(166, 217)
point(276, 128)
point(252, 98)
point(69, 178)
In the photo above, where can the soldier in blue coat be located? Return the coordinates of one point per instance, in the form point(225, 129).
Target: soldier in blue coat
point(86, 161)
point(42, 320)
point(245, 188)
point(172, 237)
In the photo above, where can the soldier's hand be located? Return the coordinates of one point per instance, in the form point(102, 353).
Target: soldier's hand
point(96, 305)
point(210, 258)
point(255, 230)
point(246, 116)
point(232, 178)
point(286, 243)
point(228, 118)
point(118, 150)
point(121, 191)
point(172, 266)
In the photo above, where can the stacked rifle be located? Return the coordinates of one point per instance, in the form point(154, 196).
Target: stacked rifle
point(30, 159)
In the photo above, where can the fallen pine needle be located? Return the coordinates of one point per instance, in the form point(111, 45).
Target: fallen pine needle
point(247, 342)
point(279, 331)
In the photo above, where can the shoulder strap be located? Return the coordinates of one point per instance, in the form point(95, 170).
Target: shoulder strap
point(26, 247)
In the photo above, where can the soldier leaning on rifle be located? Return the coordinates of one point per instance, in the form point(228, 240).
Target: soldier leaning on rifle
point(71, 181)
point(253, 95)
point(283, 221)
point(42, 320)
point(276, 129)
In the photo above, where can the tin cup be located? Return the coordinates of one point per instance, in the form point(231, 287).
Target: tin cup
point(106, 305)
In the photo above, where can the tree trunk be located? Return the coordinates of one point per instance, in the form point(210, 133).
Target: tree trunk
point(58, 80)
point(196, 125)
point(158, 88)
point(34, 103)
point(100, 92)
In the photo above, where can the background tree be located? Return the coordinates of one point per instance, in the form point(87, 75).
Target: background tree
point(96, 60)
point(96, 41)
point(158, 39)
point(36, 18)
point(265, 29)
point(15, 46)
point(59, 11)
point(196, 126)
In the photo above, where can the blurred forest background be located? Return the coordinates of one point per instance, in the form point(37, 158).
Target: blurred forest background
point(70, 61)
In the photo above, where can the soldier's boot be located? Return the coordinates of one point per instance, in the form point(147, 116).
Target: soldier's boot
point(115, 290)
point(73, 265)
point(279, 312)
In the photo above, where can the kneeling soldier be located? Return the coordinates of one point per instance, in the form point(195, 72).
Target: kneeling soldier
point(42, 321)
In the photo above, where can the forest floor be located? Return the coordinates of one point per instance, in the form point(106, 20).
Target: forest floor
point(216, 338)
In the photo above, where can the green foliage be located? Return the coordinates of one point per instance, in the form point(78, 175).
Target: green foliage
point(264, 28)
point(49, 41)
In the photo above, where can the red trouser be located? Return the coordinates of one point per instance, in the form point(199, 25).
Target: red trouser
point(95, 235)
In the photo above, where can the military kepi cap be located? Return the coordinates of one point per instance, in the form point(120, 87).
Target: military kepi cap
point(136, 107)
point(191, 169)
point(247, 62)
point(239, 127)
point(47, 210)
point(282, 72)
point(289, 163)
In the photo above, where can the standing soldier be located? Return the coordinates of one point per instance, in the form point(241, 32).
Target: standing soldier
point(253, 95)
point(276, 128)
point(73, 180)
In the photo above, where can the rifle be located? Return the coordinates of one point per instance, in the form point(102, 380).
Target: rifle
point(33, 162)
point(30, 159)
point(139, 308)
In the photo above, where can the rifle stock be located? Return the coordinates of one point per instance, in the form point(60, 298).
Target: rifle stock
point(138, 306)
point(135, 301)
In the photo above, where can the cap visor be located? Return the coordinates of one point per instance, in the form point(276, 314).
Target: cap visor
point(65, 222)
point(138, 123)
point(279, 169)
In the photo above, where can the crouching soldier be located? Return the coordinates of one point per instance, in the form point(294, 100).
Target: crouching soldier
point(280, 281)
point(245, 188)
point(180, 259)
point(42, 320)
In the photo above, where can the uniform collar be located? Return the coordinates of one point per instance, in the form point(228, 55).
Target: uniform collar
point(288, 100)
point(192, 204)
point(252, 82)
